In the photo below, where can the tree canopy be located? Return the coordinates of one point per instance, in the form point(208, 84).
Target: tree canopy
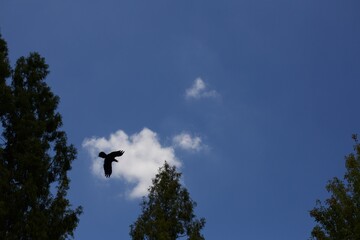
point(339, 216)
point(34, 154)
point(168, 210)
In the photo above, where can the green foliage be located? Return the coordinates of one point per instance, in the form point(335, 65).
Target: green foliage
point(34, 155)
point(339, 217)
point(167, 212)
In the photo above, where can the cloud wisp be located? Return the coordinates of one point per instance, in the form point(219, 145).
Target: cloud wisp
point(200, 90)
point(143, 156)
point(187, 142)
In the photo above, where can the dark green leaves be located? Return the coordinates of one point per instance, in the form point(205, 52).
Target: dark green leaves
point(339, 216)
point(33, 156)
point(167, 212)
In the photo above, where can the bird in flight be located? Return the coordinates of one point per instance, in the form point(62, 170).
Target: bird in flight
point(108, 159)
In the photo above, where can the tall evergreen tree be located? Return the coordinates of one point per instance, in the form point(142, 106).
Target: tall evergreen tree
point(167, 212)
point(34, 155)
point(339, 216)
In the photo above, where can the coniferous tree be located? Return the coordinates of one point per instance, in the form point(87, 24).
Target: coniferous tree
point(339, 216)
point(167, 212)
point(34, 155)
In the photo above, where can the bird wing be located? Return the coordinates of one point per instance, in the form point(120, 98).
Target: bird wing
point(116, 154)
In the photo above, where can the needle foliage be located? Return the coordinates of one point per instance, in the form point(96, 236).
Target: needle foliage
point(168, 211)
point(34, 154)
point(339, 216)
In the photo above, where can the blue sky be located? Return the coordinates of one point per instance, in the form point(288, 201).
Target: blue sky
point(254, 101)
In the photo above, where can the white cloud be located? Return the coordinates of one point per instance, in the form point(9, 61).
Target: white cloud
point(200, 90)
point(187, 142)
point(143, 156)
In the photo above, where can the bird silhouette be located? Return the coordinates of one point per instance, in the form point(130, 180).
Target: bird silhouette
point(108, 159)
